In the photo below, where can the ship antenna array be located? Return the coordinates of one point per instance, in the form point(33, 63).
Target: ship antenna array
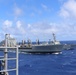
point(54, 37)
point(5, 58)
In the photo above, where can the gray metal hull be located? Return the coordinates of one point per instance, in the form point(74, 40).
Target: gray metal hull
point(44, 49)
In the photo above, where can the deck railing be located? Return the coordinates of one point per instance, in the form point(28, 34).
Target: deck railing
point(5, 49)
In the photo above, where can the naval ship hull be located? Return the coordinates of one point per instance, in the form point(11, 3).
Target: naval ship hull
point(43, 49)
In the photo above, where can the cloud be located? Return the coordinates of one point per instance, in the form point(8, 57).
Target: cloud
point(18, 23)
point(7, 23)
point(63, 31)
point(20, 27)
point(13, 27)
point(29, 26)
point(68, 9)
point(42, 30)
point(17, 10)
point(7, 27)
point(44, 6)
point(64, 13)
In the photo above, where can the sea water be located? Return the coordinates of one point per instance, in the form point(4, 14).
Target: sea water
point(47, 64)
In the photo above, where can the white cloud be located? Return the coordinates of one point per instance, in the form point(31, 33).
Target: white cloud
point(29, 26)
point(20, 27)
point(64, 13)
point(13, 28)
point(61, 30)
point(43, 28)
point(18, 23)
point(44, 6)
point(68, 9)
point(7, 23)
point(17, 10)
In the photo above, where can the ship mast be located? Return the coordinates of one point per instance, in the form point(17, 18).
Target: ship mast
point(54, 37)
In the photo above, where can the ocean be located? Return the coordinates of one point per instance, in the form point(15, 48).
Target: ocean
point(47, 64)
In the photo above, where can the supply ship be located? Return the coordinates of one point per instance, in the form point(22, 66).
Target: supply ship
point(52, 47)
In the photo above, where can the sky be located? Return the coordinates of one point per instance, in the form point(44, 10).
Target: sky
point(38, 19)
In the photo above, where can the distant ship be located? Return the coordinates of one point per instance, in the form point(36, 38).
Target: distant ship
point(52, 47)
point(43, 49)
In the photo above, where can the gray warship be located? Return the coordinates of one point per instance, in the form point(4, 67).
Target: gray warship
point(52, 47)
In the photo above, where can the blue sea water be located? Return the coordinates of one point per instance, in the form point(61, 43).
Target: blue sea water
point(47, 64)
